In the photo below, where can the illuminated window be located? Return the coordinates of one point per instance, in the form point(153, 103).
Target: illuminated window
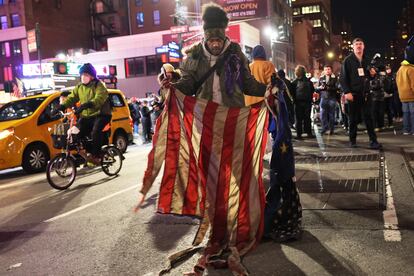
point(16, 48)
point(156, 15)
point(311, 9)
point(316, 23)
point(15, 20)
point(140, 19)
point(7, 49)
point(138, 3)
point(135, 67)
point(296, 11)
point(3, 22)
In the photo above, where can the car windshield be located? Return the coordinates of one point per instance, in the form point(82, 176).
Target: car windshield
point(20, 109)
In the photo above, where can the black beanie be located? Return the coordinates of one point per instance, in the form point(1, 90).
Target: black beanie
point(215, 21)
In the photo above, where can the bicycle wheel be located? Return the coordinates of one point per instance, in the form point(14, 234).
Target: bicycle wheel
point(61, 172)
point(111, 160)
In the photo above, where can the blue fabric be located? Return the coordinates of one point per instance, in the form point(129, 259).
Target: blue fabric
point(408, 117)
point(409, 51)
point(283, 210)
point(328, 106)
point(281, 73)
point(259, 52)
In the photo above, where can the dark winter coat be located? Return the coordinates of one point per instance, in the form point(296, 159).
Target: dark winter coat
point(302, 90)
point(350, 80)
point(375, 88)
point(328, 89)
point(197, 65)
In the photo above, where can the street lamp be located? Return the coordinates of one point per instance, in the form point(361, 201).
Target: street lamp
point(330, 55)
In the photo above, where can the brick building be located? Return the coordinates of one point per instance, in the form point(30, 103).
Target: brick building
point(63, 25)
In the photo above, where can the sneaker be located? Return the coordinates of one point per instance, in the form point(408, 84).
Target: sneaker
point(353, 145)
point(375, 145)
point(310, 135)
point(331, 132)
point(406, 133)
point(299, 137)
point(377, 129)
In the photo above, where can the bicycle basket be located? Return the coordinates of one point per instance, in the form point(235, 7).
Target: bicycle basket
point(59, 136)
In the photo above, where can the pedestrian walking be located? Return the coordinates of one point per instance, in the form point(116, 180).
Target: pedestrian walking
point(390, 91)
point(328, 90)
point(146, 122)
point(302, 92)
point(261, 69)
point(375, 90)
point(155, 113)
point(353, 76)
point(405, 83)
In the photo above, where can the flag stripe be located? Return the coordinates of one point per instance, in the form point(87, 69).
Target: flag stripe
point(260, 230)
point(171, 157)
point(215, 158)
point(225, 172)
point(191, 195)
point(199, 109)
point(182, 175)
point(157, 153)
point(255, 212)
point(243, 227)
point(206, 147)
point(237, 164)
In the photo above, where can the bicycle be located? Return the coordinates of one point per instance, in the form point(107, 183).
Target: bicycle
point(61, 171)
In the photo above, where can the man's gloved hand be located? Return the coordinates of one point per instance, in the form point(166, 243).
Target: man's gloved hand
point(82, 107)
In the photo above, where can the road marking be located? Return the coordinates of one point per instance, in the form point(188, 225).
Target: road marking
point(90, 204)
point(391, 229)
point(23, 182)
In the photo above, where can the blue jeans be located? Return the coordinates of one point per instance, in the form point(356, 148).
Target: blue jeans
point(408, 117)
point(328, 106)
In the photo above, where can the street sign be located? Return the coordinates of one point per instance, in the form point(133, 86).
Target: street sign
point(31, 41)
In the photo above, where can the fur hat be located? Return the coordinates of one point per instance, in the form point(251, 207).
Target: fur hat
point(215, 21)
point(88, 69)
point(409, 51)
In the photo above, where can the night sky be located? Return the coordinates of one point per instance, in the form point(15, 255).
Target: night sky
point(373, 20)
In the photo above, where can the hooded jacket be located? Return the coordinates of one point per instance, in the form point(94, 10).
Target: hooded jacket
point(405, 82)
point(95, 92)
point(197, 65)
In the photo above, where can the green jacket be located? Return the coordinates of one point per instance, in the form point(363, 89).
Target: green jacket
point(197, 64)
point(94, 92)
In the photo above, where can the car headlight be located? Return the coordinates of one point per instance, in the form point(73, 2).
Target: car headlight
point(6, 133)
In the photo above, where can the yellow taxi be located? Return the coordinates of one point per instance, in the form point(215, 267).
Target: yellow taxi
point(26, 126)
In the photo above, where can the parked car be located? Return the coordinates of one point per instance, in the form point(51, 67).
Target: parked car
point(26, 126)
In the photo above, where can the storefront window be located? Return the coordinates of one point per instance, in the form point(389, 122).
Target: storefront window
point(3, 22)
point(140, 19)
point(15, 20)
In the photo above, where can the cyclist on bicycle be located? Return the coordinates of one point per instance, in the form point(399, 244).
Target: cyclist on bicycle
point(94, 111)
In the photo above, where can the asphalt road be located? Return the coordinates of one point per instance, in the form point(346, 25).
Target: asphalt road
point(90, 229)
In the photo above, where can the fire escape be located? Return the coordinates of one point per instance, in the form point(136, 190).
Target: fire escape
point(103, 17)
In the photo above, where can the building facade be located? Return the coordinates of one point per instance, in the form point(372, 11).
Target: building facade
point(303, 43)
point(318, 12)
point(109, 18)
point(17, 17)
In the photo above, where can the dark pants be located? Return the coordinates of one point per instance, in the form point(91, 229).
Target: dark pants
point(303, 120)
point(356, 109)
point(389, 109)
point(146, 129)
point(92, 127)
point(328, 108)
point(377, 109)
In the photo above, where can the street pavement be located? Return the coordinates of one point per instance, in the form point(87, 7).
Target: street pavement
point(357, 218)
